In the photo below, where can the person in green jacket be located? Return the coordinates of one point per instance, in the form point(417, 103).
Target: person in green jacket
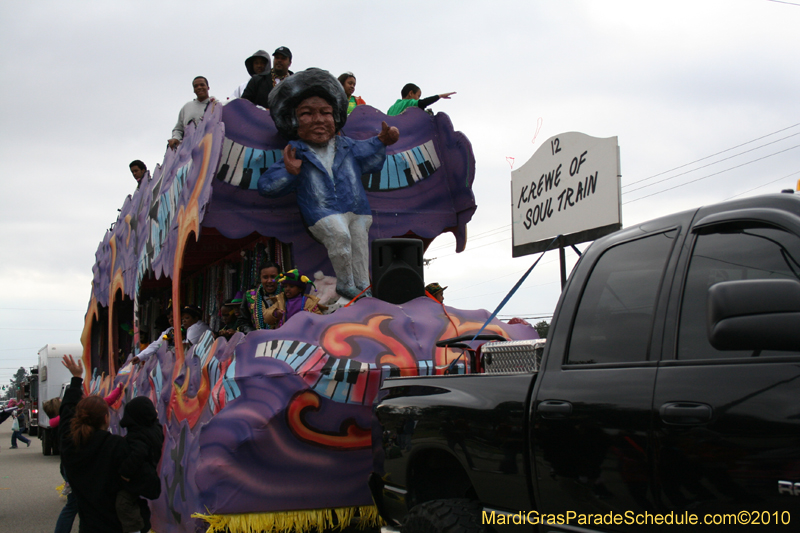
point(412, 97)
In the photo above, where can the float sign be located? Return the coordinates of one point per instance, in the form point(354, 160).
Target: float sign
point(569, 187)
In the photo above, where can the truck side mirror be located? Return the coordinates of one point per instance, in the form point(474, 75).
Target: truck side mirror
point(759, 314)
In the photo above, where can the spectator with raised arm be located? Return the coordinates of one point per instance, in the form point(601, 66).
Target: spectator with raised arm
point(90, 454)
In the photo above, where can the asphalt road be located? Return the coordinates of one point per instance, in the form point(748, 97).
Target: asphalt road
point(29, 501)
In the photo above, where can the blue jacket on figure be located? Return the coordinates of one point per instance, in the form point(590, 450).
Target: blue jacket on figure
point(319, 196)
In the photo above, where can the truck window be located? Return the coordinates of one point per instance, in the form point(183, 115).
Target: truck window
point(730, 254)
point(615, 314)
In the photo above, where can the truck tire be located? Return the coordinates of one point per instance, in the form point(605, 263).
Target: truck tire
point(46, 442)
point(445, 516)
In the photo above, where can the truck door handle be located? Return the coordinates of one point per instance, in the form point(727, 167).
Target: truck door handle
point(685, 413)
point(555, 409)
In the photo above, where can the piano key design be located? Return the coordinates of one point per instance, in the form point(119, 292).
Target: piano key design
point(241, 166)
point(404, 169)
point(340, 379)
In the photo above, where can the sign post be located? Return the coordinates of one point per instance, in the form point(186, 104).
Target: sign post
point(569, 188)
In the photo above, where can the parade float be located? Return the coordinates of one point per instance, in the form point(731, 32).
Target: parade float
point(270, 431)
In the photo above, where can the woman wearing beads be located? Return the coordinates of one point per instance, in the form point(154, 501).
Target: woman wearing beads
point(257, 301)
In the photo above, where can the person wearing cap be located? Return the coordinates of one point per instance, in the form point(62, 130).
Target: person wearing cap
point(435, 291)
point(256, 64)
point(282, 60)
point(325, 169)
point(191, 111)
point(260, 85)
point(231, 317)
point(195, 328)
point(293, 299)
point(412, 97)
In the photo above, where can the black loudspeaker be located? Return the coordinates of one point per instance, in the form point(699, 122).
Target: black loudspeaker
point(397, 270)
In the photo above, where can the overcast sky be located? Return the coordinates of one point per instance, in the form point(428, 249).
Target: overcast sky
point(89, 86)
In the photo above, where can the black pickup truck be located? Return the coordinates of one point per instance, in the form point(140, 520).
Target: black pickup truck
point(668, 395)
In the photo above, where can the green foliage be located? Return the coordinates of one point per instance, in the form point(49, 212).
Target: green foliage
point(542, 328)
point(10, 390)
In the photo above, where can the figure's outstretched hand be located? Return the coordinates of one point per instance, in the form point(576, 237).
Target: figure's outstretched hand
point(388, 135)
point(292, 164)
point(173, 143)
point(76, 369)
point(446, 96)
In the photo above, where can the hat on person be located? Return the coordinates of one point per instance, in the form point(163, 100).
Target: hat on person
point(433, 288)
point(248, 63)
point(230, 305)
point(293, 277)
point(282, 50)
point(192, 310)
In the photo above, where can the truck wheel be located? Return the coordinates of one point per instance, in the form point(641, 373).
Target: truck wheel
point(445, 516)
point(46, 444)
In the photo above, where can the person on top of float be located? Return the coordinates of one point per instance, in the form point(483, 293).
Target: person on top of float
point(412, 97)
point(348, 81)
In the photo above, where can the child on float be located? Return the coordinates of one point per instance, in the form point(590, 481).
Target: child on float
point(292, 300)
point(139, 471)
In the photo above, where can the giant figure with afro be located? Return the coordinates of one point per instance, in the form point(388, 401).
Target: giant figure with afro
point(325, 169)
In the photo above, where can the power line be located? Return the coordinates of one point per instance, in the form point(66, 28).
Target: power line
point(503, 292)
point(713, 155)
point(711, 175)
point(475, 237)
point(705, 166)
point(763, 185)
point(782, 2)
point(493, 280)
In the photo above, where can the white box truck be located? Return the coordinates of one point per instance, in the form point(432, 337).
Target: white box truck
point(53, 377)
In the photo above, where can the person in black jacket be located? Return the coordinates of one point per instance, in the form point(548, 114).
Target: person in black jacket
point(260, 85)
point(91, 456)
point(139, 473)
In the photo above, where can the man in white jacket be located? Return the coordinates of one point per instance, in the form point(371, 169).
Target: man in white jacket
point(195, 328)
point(191, 111)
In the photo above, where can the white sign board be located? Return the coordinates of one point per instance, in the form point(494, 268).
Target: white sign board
point(569, 187)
